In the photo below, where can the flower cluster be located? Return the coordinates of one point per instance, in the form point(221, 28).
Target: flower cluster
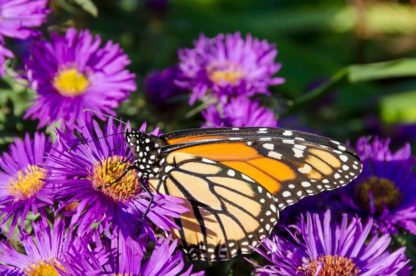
point(70, 204)
point(318, 245)
point(70, 178)
point(225, 72)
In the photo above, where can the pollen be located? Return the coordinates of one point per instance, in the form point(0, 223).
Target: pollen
point(45, 269)
point(225, 73)
point(106, 174)
point(27, 182)
point(329, 266)
point(379, 192)
point(72, 206)
point(71, 83)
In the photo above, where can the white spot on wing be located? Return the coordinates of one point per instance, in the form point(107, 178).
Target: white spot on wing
point(305, 169)
point(205, 160)
point(247, 178)
point(268, 146)
point(287, 133)
point(275, 155)
point(343, 158)
point(298, 153)
point(305, 184)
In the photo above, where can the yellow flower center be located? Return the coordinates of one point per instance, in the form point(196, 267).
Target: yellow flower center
point(224, 73)
point(330, 266)
point(382, 192)
point(45, 269)
point(106, 172)
point(71, 82)
point(27, 182)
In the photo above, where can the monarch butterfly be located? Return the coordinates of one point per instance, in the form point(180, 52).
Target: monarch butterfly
point(236, 180)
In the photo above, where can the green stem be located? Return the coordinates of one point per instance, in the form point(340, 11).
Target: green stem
point(199, 108)
point(323, 89)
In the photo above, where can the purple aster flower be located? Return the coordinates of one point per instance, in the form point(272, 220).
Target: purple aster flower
point(86, 163)
point(164, 259)
point(319, 246)
point(50, 250)
point(384, 190)
point(239, 112)
point(17, 18)
point(161, 87)
point(379, 149)
point(24, 186)
point(72, 73)
point(228, 65)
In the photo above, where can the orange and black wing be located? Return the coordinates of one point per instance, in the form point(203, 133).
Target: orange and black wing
point(235, 181)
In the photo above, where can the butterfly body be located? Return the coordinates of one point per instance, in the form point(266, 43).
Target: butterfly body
point(147, 153)
point(235, 181)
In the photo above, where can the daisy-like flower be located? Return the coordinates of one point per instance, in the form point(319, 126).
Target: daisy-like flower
point(50, 250)
point(384, 190)
point(74, 72)
point(84, 168)
point(228, 65)
point(17, 20)
point(161, 87)
point(239, 112)
point(24, 185)
point(163, 259)
point(319, 246)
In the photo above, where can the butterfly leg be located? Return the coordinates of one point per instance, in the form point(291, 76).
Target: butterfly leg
point(146, 188)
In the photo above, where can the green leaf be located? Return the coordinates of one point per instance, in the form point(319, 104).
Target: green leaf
point(382, 70)
point(88, 6)
point(360, 73)
point(399, 108)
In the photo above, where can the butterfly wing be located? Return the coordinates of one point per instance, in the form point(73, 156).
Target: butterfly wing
point(235, 181)
point(227, 210)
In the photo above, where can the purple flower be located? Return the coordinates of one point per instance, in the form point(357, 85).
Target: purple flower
point(228, 65)
point(319, 246)
point(161, 87)
point(86, 163)
point(48, 251)
point(384, 190)
point(72, 73)
point(239, 112)
point(164, 259)
point(24, 186)
point(379, 149)
point(17, 18)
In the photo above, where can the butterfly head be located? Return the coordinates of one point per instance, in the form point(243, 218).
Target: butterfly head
point(147, 149)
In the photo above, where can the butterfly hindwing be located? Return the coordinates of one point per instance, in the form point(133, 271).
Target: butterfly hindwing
point(228, 211)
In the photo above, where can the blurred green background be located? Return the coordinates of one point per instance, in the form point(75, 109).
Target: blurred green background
point(318, 41)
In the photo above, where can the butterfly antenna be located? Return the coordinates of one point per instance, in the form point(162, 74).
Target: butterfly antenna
point(105, 115)
point(86, 141)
